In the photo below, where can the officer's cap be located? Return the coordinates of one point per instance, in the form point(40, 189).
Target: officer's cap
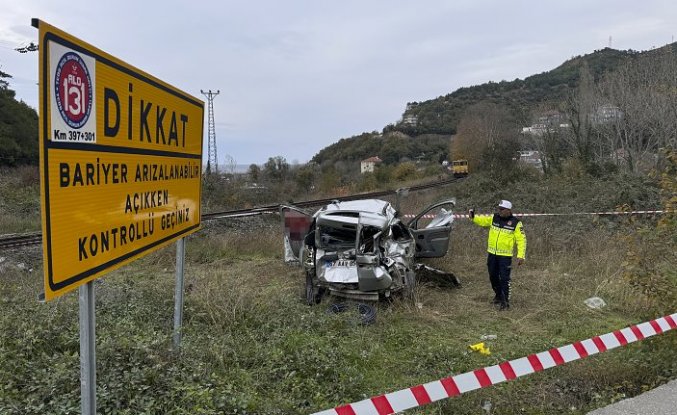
point(505, 204)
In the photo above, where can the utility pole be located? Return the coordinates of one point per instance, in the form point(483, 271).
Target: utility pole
point(213, 160)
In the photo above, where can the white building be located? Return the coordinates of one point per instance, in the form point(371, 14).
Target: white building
point(410, 119)
point(532, 158)
point(607, 113)
point(369, 164)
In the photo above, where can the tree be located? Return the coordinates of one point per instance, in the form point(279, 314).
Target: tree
point(405, 171)
point(383, 173)
point(3, 83)
point(642, 98)
point(367, 182)
point(329, 180)
point(487, 137)
point(18, 128)
point(580, 107)
point(305, 176)
point(549, 141)
point(229, 164)
point(276, 169)
point(254, 172)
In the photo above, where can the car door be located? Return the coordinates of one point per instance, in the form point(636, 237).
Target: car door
point(295, 224)
point(431, 229)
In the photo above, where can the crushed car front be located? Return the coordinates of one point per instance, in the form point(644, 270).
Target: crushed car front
point(361, 249)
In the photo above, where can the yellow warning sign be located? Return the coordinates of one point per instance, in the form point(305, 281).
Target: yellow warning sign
point(120, 161)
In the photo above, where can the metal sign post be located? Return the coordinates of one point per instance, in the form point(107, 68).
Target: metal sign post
point(87, 349)
point(123, 148)
point(178, 293)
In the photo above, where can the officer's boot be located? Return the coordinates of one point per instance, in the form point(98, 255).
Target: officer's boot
point(505, 301)
point(497, 296)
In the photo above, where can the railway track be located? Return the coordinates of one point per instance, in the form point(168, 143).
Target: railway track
point(34, 238)
point(20, 239)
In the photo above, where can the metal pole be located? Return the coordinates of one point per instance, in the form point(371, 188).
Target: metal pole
point(400, 193)
point(87, 349)
point(178, 293)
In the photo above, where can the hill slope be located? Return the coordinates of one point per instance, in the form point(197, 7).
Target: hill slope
point(440, 116)
point(18, 130)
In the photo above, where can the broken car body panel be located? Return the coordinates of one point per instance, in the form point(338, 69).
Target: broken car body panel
point(432, 240)
point(296, 226)
point(361, 249)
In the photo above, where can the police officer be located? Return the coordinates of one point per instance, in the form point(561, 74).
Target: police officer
point(505, 231)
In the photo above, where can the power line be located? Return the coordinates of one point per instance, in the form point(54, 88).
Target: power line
point(213, 160)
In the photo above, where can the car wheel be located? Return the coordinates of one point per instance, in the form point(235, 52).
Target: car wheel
point(313, 293)
point(367, 313)
point(337, 308)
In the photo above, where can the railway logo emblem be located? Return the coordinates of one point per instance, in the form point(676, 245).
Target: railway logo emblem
point(73, 90)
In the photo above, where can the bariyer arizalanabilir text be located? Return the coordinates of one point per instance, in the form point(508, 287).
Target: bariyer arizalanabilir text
point(98, 173)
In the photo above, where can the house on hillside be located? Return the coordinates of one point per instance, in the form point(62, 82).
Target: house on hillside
point(606, 113)
point(546, 122)
point(410, 119)
point(550, 121)
point(368, 165)
point(535, 129)
point(531, 158)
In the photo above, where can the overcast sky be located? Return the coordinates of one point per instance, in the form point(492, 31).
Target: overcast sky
point(297, 76)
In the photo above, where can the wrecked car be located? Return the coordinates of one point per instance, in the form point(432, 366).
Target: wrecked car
point(362, 250)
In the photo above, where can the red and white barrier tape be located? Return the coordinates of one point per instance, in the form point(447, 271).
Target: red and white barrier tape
point(420, 395)
point(520, 215)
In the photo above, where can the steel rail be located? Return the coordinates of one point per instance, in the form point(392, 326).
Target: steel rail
point(16, 240)
point(33, 238)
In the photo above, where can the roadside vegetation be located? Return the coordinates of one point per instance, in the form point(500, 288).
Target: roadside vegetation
point(251, 346)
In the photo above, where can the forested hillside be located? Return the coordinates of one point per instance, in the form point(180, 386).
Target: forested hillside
point(18, 129)
point(504, 107)
point(390, 147)
point(442, 115)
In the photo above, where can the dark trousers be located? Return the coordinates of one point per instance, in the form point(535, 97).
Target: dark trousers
point(499, 275)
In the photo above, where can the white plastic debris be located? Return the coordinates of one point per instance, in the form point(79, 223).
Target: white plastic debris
point(488, 337)
point(595, 302)
point(486, 406)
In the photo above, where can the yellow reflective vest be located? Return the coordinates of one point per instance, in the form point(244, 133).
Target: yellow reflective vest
point(504, 233)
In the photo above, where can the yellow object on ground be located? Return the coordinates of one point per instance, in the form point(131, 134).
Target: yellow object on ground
point(479, 347)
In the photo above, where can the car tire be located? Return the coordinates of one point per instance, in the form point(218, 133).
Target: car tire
point(313, 293)
point(337, 308)
point(367, 313)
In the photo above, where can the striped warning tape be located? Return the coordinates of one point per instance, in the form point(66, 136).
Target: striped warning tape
point(520, 215)
point(404, 399)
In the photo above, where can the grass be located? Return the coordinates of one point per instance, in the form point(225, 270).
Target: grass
point(250, 345)
point(19, 200)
